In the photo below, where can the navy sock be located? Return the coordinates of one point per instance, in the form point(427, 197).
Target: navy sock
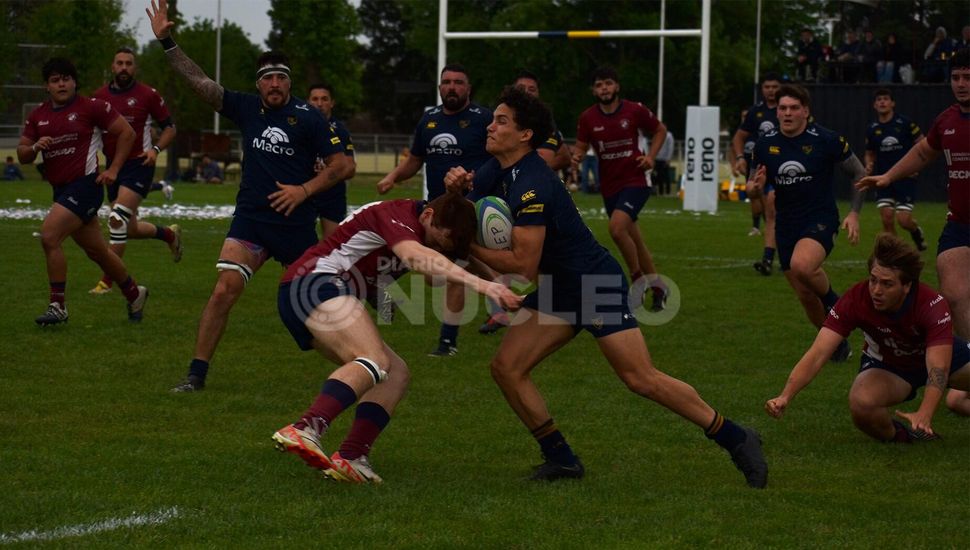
point(553, 444)
point(769, 255)
point(449, 334)
point(756, 221)
point(199, 368)
point(829, 299)
point(725, 433)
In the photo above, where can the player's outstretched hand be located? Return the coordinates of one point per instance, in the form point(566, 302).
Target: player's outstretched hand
point(158, 15)
point(920, 423)
point(868, 182)
point(776, 407)
point(458, 179)
point(503, 296)
point(287, 198)
point(384, 186)
point(851, 225)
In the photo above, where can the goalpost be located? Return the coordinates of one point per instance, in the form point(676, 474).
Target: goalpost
point(703, 122)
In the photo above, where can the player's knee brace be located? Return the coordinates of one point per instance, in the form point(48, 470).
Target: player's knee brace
point(242, 269)
point(118, 224)
point(372, 368)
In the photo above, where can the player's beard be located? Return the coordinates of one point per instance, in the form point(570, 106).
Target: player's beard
point(454, 102)
point(123, 80)
point(606, 100)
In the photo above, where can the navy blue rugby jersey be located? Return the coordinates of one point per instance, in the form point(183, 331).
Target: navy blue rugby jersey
point(802, 170)
point(278, 145)
point(339, 189)
point(760, 120)
point(444, 141)
point(890, 141)
point(536, 196)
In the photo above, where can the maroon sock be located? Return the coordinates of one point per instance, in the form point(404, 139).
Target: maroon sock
point(129, 289)
point(370, 420)
point(334, 397)
point(106, 279)
point(58, 290)
point(164, 234)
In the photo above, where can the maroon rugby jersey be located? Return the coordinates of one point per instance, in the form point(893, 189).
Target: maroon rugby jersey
point(897, 339)
point(615, 138)
point(361, 246)
point(950, 134)
point(141, 105)
point(76, 130)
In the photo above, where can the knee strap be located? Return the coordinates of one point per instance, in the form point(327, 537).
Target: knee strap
point(242, 269)
point(118, 224)
point(372, 369)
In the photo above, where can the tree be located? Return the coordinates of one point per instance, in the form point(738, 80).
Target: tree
point(319, 39)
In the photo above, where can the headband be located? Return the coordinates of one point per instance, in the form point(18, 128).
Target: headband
point(276, 68)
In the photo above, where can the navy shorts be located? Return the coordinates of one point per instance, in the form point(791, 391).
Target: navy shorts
point(285, 243)
point(332, 203)
point(954, 235)
point(299, 297)
point(134, 176)
point(629, 200)
point(901, 195)
point(82, 196)
point(917, 378)
point(599, 304)
point(823, 232)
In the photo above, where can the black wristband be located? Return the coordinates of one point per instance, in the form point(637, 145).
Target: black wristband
point(168, 43)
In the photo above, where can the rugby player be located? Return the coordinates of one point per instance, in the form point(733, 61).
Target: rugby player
point(909, 343)
point(451, 134)
point(887, 140)
point(798, 160)
point(331, 205)
point(580, 287)
point(320, 303)
point(141, 105)
point(760, 119)
point(282, 137)
point(613, 126)
point(66, 129)
point(949, 135)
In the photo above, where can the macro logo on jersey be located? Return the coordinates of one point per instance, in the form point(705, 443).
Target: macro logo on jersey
point(444, 144)
point(890, 143)
point(765, 126)
point(791, 172)
point(274, 140)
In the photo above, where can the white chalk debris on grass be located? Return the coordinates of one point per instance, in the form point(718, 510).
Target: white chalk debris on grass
point(134, 520)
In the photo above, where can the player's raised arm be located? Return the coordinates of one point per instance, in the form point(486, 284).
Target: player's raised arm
point(201, 84)
point(805, 370)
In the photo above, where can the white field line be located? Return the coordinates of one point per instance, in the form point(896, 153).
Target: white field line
point(134, 520)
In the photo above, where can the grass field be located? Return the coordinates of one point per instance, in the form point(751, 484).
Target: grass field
point(90, 437)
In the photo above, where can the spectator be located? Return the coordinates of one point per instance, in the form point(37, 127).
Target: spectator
point(210, 171)
point(935, 56)
point(809, 53)
point(890, 60)
point(870, 51)
point(964, 41)
point(848, 55)
point(661, 171)
point(589, 172)
point(11, 171)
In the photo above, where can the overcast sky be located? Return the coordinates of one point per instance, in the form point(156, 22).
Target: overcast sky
point(251, 15)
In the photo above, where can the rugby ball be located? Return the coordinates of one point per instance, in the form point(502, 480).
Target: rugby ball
point(494, 223)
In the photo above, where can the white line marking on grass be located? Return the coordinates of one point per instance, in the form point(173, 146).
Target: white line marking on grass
point(134, 520)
